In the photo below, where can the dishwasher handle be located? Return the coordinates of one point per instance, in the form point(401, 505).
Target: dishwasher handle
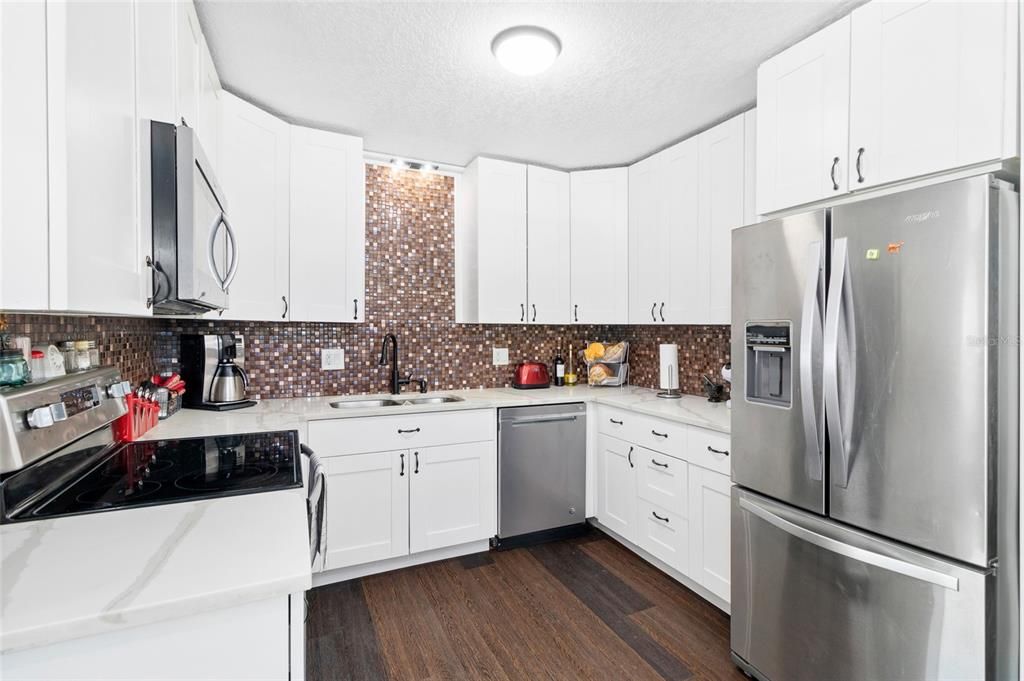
point(555, 418)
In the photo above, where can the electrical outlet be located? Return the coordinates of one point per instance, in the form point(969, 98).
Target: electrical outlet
point(500, 357)
point(332, 359)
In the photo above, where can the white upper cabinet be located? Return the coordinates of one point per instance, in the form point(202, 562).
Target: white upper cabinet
point(682, 298)
point(648, 256)
point(500, 222)
point(802, 121)
point(208, 117)
point(721, 211)
point(548, 254)
point(189, 40)
point(97, 248)
point(599, 217)
point(254, 173)
point(932, 87)
point(327, 226)
point(24, 284)
point(750, 216)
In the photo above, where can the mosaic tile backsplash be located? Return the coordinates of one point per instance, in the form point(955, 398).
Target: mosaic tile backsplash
point(410, 291)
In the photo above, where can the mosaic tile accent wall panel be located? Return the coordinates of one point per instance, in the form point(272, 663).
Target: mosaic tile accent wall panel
point(410, 291)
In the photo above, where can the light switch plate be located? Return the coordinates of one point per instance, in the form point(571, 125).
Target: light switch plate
point(500, 357)
point(332, 359)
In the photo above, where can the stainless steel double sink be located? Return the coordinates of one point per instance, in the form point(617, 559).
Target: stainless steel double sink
point(394, 402)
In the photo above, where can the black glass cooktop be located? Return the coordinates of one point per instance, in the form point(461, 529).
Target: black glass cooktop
point(168, 471)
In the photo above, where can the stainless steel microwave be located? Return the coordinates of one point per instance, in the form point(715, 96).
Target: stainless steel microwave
point(195, 253)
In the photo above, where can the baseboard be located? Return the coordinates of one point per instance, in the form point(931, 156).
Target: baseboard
point(356, 571)
point(664, 567)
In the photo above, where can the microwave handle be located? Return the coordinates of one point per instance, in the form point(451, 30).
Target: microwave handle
point(233, 266)
point(211, 256)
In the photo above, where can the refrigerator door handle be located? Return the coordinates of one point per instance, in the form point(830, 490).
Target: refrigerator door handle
point(810, 339)
point(856, 553)
point(840, 355)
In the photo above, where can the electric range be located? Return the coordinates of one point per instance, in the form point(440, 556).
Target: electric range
point(87, 472)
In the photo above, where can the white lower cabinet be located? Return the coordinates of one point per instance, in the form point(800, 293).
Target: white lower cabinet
point(434, 486)
point(616, 486)
point(710, 532)
point(673, 503)
point(452, 495)
point(367, 508)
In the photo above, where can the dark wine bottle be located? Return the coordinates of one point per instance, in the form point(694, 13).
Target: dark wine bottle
point(559, 366)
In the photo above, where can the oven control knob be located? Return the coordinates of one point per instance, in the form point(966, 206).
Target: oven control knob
point(40, 417)
point(58, 411)
point(115, 390)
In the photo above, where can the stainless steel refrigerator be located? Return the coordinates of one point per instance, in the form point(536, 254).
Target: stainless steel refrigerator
point(875, 439)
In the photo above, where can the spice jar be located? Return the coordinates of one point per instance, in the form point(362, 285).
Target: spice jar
point(67, 351)
point(94, 355)
point(13, 368)
point(82, 355)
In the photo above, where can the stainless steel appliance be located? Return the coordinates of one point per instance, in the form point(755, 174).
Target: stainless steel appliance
point(542, 455)
point(213, 368)
point(195, 254)
point(874, 436)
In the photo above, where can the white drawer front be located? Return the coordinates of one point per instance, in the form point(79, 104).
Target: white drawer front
point(616, 422)
point(710, 449)
point(381, 433)
point(664, 535)
point(668, 437)
point(662, 480)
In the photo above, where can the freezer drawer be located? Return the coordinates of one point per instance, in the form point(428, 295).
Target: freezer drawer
point(814, 600)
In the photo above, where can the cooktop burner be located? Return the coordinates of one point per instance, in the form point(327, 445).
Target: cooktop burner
point(167, 471)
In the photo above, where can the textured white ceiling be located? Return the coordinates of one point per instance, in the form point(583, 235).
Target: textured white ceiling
point(419, 80)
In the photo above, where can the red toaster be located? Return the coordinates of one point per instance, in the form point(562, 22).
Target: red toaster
point(531, 375)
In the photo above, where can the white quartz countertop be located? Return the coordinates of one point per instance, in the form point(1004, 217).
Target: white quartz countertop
point(295, 413)
point(77, 576)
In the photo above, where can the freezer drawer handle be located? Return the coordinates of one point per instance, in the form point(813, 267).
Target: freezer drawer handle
point(654, 513)
point(658, 463)
point(718, 451)
point(664, 435)
point(853, 552)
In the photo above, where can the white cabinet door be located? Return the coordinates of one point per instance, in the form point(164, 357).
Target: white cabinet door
point(189, 39)
point(328, 233)
point(367, 508)
point(501, 240)
point(600, 245)
point(750, 167)
point(931, 87)
point(721, 211)
point(208, 111)
point(97, 246)
point(616, 486)
point(710, 530)
point(453, 494)
point(254, 173)
point(23, 202)
point(684, 298)
point(649, 255)
point(803, 112)
point(548, 254)
point(155, 64)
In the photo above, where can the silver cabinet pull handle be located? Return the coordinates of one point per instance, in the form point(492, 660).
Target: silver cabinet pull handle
point(401, 473)
point(889, 563)
point(664, 520)
point(653, 318)
point(629, 457)
point(860, 155)
point(522, 312)
point(355, 309)
point(618, 423)
point(416, 456)
point(284, 315)
point(664, 435)
point(410, 430)
point(534, 306)
point(661, 312)
point(718, 451)
point(832, 174)
point(658, 463)
point(810, 345)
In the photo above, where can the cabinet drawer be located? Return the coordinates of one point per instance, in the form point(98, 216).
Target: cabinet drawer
point(662, 480)
point(615, 422)
point(661, 436)
point(380, 433)
point(664, 535)
point(710, 450)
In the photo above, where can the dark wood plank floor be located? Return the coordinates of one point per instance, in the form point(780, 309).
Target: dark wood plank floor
point(584, 608)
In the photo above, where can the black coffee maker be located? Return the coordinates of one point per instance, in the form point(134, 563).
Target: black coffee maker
point(213, 368)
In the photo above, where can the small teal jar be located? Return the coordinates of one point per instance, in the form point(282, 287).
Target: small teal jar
point(13, 368)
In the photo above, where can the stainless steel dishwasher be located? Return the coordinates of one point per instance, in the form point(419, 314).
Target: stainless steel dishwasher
point(542, 473)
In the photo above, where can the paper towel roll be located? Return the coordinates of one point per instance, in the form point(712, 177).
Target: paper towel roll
point(669, 354)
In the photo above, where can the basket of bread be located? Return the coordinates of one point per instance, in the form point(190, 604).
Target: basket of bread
point(607, 363)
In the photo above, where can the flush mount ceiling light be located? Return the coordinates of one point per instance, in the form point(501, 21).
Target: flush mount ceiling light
point(526, 50)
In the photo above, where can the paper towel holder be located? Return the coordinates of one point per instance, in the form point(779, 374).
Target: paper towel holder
point(669, 371)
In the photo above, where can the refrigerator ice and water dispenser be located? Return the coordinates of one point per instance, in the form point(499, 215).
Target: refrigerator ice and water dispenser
point(769, 359)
